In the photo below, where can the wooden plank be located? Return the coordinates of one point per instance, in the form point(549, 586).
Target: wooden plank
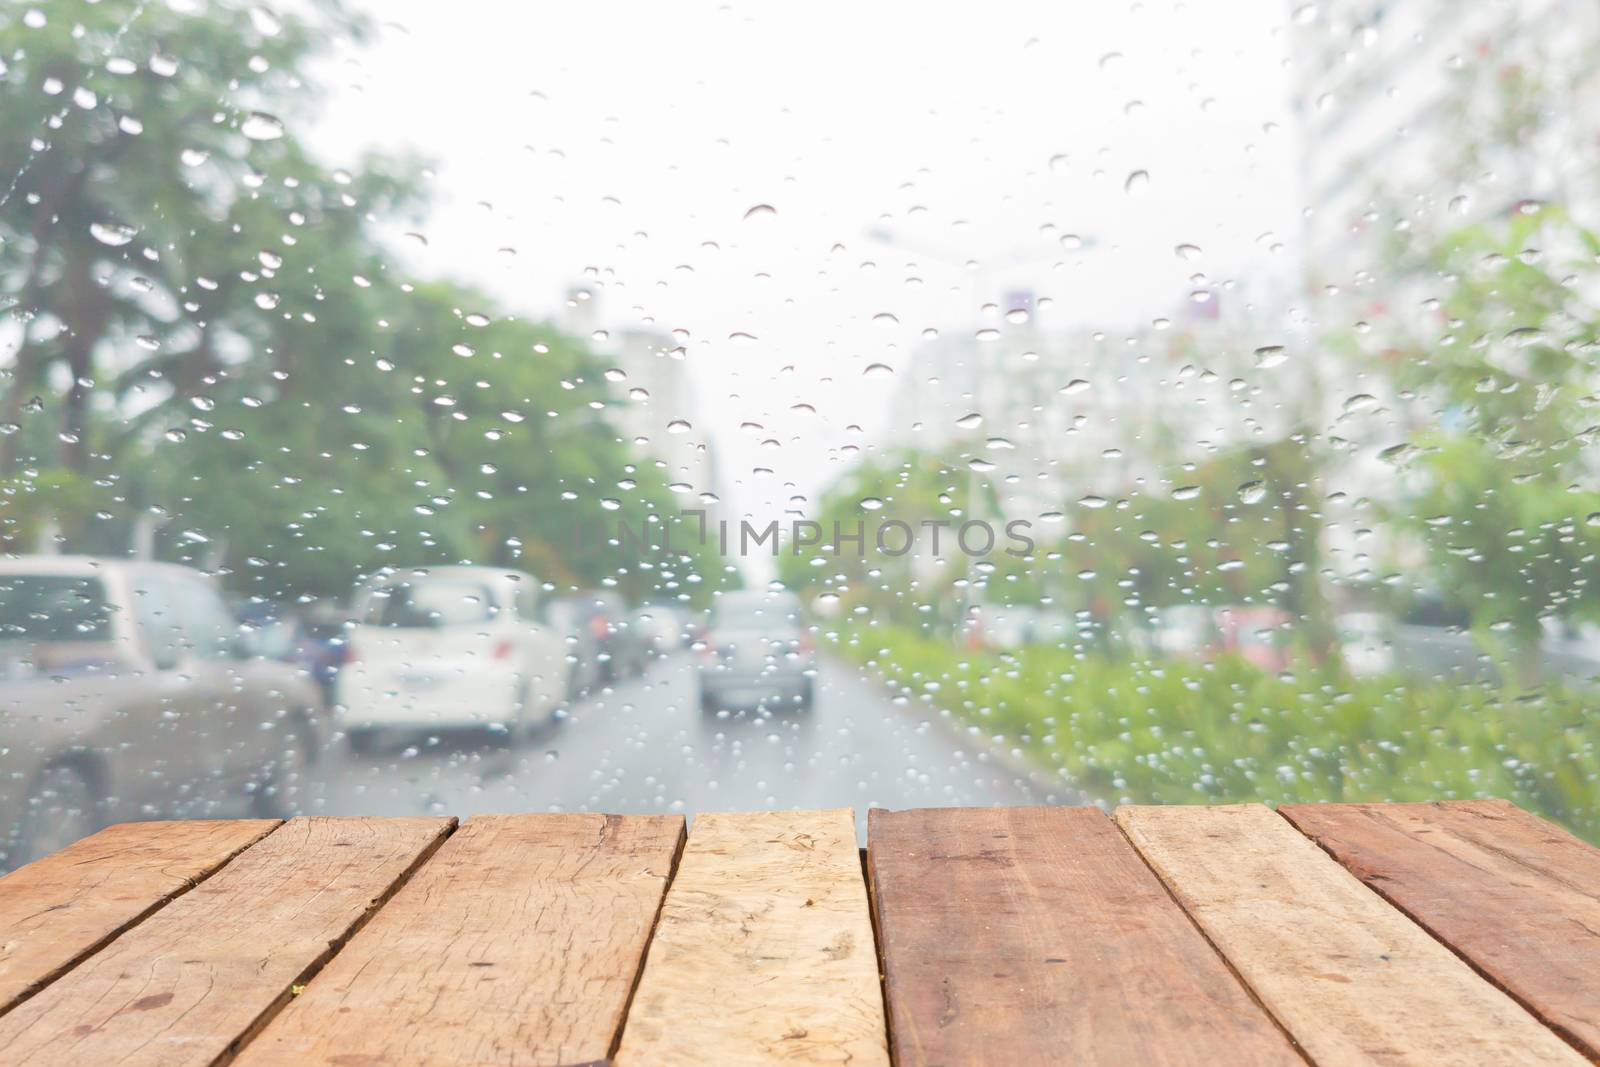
point(518, 943)
point(1038, 936)
point(62, 907)
point(1352, 979)
point(764, 952)
point(1515, 896)
point(192, 981)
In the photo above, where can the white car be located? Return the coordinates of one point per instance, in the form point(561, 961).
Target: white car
point(447, 648)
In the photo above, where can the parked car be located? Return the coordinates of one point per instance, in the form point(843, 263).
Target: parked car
point(290, 635)
point(1569, 652)
point(126, 687)
point(1008, 627)
point(449, 648)
point(1366, 643)
point(1184, 631)
point(598, 632)
point(662, 627)
point(1434, 638)
point(757, 652)
point(573, 619)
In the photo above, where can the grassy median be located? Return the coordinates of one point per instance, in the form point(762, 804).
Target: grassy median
point(1190, 732)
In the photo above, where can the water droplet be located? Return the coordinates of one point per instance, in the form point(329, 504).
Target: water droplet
point(760, 210)
point(1137, 181)
point(1077, 385)
point(1092, 502)
point(871, 503)
point(1186, 492)
point(1359, 402)
point(265, 22)
point(266, 301)
point(878, 370)
point(260, 126)
point(113, 234)
point(679, 426)
point(1268, 356)
point(967, 422)
point(193, 157)
point(1253, 492)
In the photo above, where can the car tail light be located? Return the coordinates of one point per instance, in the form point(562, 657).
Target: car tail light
point(598, 627)
point(502, 650)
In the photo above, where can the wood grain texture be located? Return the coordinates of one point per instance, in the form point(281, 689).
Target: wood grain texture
point(60, 908)
point(764, 951)
point(1352, 979)
point(518, 943)
point(1038, 936)
point(192, 981)
point(1514, 895)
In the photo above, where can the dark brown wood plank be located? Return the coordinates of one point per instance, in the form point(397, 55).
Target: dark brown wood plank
point(1517, 897)
point(518, 943)
point(1354, 980)
point(194, 979)
point(1038, 936)
point(62, 907)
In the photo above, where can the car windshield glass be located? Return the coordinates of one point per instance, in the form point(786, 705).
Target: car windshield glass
point(672, 407)
point(53, 608)
point(431, 603)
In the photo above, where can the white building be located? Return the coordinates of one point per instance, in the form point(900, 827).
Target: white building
point(654, 407)
point(1066, 414)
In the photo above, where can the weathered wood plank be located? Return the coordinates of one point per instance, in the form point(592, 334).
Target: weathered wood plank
point(60, 908)
point(518, 943)
point(1514, 895)
point(1352, 979)
point(194, 979)
point(1038, 936)
point(764, 951)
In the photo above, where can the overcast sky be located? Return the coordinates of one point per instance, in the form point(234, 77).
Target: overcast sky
point(635, 138)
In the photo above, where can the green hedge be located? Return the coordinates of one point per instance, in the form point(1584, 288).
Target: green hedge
point(1189, 732)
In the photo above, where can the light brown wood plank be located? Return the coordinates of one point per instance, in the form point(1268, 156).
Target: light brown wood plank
point(1038, 936)
point(518, 943)
point(764, 952)
point(195, 978)
point(1352, 979)
point(1516, 896)
point(62, 907)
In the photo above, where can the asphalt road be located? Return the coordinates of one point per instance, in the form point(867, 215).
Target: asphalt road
point(645, 746)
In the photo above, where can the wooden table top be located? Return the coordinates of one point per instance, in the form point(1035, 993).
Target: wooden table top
point(1453, 933)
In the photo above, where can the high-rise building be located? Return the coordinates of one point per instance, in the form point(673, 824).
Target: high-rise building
point(1410, 119)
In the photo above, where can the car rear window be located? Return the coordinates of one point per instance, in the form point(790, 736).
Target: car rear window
point(53, 608)
point(433, 603)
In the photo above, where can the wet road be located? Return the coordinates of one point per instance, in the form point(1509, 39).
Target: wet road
point(645, 746)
